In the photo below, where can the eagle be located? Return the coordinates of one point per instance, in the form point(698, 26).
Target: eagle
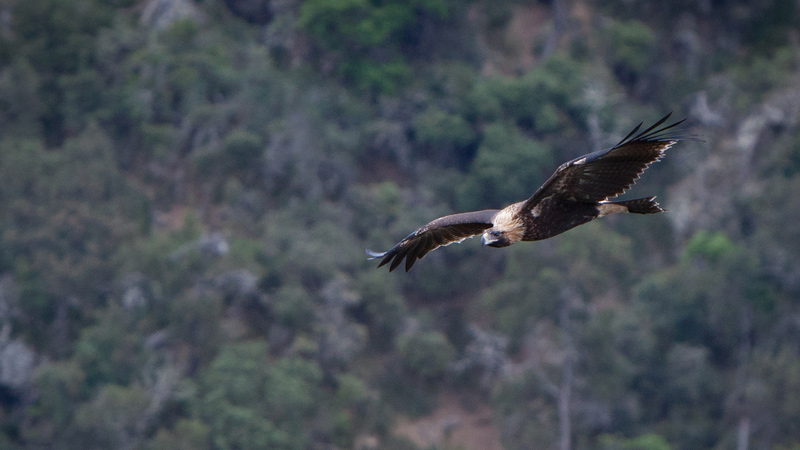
point(578, 192)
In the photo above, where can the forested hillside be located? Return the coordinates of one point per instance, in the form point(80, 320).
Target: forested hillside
point(187, 188)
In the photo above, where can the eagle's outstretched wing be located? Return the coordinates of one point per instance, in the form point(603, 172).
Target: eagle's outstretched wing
point(442, 231)
point(607, 173)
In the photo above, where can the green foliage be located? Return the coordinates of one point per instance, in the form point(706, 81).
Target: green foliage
point(65, 215)
point(237, 373)
point(514, 304)
point(235, 427)
point(385, 309)
point(426, 354)
point(186, 435)
point(309, 261)
point(194, 320)
point(20, 105)
point(643, 442)
point(240, 153)
point(251, 403)
point(761, 73)
point(231, 400)
point(403, 394)
point(711, 246)
point(130, 147)
point(399, 443)
point(362, 23)
point(544, 100)
point(292, 389)
point(537, 421)
point(376, 207)
point(723, 281)
point(61, 387)
point(352, 22)
point(58, 48)
point(618, 350)
point(690, 374)
point(602, 255)
point(499, 13)
point(363, 29)
point(437, 128)
point(771, 24)
point(774, 390)
point(105, 354)
point(242, 149)
point(507, 164)
point(350, 390)
point(630, 49)
point(114, 418)
point(293, 307)
point(384, 77)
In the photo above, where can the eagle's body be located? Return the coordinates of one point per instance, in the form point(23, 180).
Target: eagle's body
point(578, 192)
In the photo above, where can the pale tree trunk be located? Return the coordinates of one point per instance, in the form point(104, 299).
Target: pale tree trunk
point(561, 392)
point(740, 379)
point(565, 389)
point(559, 19)
point(743, 434)
point(564, 397)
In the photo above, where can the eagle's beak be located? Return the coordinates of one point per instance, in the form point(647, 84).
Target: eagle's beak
point(492, 241)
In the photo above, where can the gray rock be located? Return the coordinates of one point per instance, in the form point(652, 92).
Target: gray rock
point(160, 14)
point(17, 362)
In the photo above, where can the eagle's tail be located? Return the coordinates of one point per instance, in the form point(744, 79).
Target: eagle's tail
point(647, 205)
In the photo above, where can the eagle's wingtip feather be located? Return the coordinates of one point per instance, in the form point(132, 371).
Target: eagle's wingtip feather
point(374, 255)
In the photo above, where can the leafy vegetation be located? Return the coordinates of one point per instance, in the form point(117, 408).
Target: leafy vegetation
point(188, 187)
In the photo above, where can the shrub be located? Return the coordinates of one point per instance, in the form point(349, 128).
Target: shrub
point(426, 354)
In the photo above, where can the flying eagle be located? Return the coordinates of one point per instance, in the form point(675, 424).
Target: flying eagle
point(578, 192)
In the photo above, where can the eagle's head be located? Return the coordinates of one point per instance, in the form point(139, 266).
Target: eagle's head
point(495, 238)
point(507, 228)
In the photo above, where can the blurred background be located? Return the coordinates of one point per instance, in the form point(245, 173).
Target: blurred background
point(187, 188)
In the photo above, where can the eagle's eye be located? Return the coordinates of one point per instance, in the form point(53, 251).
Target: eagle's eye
point(496, 234)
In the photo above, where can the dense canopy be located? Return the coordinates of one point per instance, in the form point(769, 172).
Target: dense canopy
point(188, 187)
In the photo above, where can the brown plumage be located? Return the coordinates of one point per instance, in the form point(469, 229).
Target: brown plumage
point(578, 192)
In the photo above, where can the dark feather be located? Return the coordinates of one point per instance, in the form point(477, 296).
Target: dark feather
point(442, 231)
point(608, 173)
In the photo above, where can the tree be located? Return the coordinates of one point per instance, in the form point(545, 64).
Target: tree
point(426, 354)
point(186, 435)
point(507, 168)
point(66, 214)
point(370, 35)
